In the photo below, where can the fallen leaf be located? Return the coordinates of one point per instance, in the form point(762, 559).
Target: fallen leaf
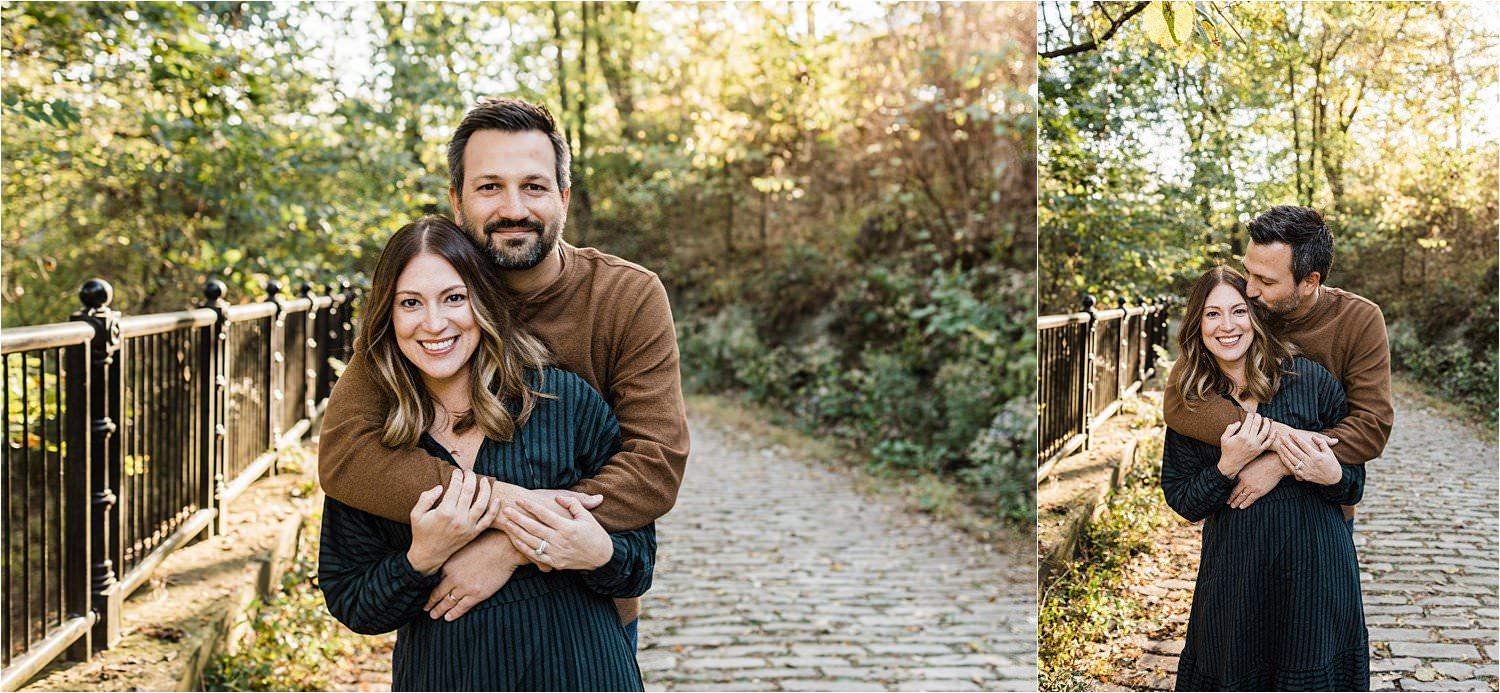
point(161, 632)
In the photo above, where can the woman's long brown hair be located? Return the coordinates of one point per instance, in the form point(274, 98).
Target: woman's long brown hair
point(497, 366)
point(1263, 361)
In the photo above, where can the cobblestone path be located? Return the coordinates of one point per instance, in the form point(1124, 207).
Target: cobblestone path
point(774, 574)
point(1426, 534)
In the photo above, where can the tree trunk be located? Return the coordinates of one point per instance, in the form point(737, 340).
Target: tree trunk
point(728, 217)
point(616, 61)
point(1291, 81)
point(580, 184)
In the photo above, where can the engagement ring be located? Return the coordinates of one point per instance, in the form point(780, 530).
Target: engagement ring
point(542, 549)
point(453, 598)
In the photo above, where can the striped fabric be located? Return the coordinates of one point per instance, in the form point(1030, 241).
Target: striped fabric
point(1277, 605)
point(542, 631)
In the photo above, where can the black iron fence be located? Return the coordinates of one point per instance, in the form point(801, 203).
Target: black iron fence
point(1087, 363)
point(126, 436)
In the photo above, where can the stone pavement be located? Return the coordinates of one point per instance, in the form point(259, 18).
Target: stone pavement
point(1427, 540)
point(774, 575)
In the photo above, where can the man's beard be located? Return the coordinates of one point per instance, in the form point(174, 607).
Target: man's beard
point(1279, 309)
point(517, 254)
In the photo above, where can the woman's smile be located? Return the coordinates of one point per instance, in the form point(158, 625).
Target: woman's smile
point(439, 347)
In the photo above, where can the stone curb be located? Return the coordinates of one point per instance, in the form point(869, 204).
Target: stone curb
point(1094, 506)
point(230, 629)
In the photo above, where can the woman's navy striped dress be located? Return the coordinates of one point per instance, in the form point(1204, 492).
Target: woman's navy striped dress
point(1277, 604)
point(557, 630)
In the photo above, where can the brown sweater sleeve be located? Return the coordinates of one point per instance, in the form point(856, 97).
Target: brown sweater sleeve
point(640, 483)
point(1363, 433)
point(1206, 421)
point(353, 465)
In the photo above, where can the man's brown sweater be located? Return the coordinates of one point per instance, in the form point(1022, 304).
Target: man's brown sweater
point(1346, 334)
point(603, 318)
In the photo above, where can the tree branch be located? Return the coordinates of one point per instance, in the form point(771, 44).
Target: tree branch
point(1114, 26)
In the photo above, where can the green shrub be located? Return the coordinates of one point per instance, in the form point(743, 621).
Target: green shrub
point(1459, 373)
point(712, 348)
point(924, 373)
point(1003, 458)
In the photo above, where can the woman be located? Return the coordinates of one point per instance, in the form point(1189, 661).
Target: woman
point(467, 385)
point(1277, 604)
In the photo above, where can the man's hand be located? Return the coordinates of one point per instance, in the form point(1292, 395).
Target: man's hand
point(511, 495)
point(1304, 440)
point(573, 543)
point(1256, 480)
point(473, 574)
point(1314, 463)
point(1305, 437)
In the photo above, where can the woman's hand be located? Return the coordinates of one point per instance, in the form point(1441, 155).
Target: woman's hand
point(572, 542)
point(1243, 441)
point(1309, 460)
point(441, 527)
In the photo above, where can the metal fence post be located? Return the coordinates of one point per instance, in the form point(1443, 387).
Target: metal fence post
point(105, 467)
point(1087, 373)
point(275, 370)
point(78, 511)
point(213, 363)
point(310, 355)
point(1148, 337)
point(1122, 341)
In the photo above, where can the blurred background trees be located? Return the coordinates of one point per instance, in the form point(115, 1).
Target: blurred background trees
point(840, 199)
point(1155, 152)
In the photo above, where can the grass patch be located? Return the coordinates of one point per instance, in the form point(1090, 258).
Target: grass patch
point(941, 497)
point(1086, 603)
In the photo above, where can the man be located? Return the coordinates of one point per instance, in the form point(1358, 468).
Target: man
point(603, 318)
point(1286, 267)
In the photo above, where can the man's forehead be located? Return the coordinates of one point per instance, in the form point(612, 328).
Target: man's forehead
point(500, 153)
point(1268, 258)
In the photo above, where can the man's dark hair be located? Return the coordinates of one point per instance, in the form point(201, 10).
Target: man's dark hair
point(1303, 229)
point(507, 115)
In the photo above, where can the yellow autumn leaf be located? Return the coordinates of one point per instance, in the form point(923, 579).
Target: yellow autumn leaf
point(1169, 24)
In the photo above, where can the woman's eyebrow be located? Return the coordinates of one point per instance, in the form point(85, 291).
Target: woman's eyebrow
point(455, 287)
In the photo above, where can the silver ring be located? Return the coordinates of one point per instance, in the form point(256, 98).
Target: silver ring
point(542, 549)
point(453, 598)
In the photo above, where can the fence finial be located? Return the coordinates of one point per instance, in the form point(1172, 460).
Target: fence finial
point(213, 291)
point(96, 293)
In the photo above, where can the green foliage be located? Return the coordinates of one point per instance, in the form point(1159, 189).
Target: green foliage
point(938, 381)
point(1086, 602)
point(1458, 373)
point(294, 642)
point(1155, 153)
point(1003, 474)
